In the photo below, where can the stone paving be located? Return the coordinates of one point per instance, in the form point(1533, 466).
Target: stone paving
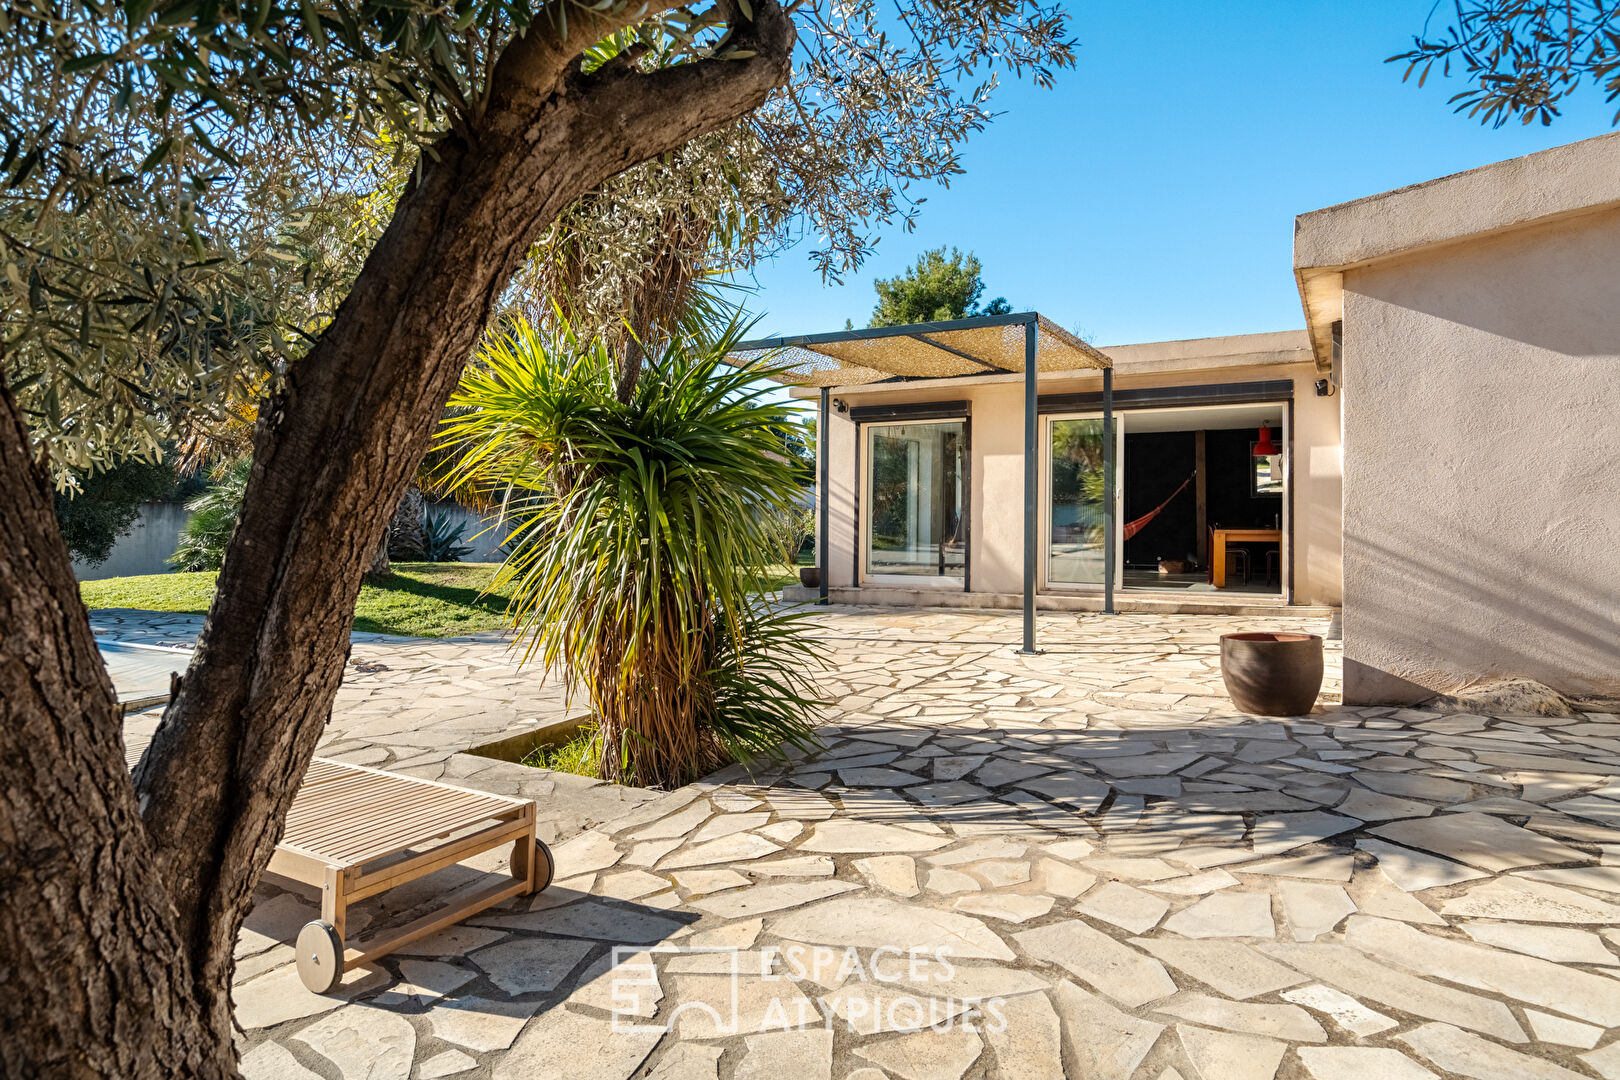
point(1080, 864)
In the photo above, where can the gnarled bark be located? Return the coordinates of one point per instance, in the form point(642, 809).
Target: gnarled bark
point(146, 911)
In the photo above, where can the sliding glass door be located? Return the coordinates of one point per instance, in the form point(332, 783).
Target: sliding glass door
point(1075, 549)
point(916, 500)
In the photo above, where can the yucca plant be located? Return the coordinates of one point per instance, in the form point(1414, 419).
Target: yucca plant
point(641, 532)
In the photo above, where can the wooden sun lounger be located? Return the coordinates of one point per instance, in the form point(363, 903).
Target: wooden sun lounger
point(354, 832)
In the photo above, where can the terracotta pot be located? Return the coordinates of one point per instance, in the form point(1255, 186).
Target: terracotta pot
point(1272, 674)
point(810, 577)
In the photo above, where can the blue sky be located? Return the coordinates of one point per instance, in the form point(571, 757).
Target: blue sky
point(1151, 194)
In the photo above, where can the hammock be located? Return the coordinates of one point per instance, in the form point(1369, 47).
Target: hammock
point(1134, 527)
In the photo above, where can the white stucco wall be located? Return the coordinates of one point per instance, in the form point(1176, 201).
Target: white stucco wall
point(1482, 461)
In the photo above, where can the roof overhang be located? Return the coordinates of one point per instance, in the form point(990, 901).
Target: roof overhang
point(986, 345)
point(1565, 181)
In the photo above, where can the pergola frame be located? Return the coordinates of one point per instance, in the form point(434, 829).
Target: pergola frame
point(939, 335)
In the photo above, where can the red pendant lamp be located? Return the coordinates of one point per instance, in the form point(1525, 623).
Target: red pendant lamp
point(1265, 447)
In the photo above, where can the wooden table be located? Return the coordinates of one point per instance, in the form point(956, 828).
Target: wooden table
point(1221, 537)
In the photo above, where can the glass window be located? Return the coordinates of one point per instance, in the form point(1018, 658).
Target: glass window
point(1075, 548)
point(916, 520)
point(1267, 477)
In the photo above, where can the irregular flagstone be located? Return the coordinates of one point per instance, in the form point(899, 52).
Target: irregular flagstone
point(1375, 894)
point(1312, 909)
point(1530, 901)
point(1134, 869)
point(950, 978)
point(1009, 907)
point(1195, 884)
point(998, 847)
point(873, 1009)
point(445, 1063)
point(1371, 806)
point(739, 847)
point(893, 873)
point(1225, 914)
point(926, 1055)
point(778, 1054)
point(564, 1045)
point(630, 885)
point(1410, 786)
point(1274, 834)
point(1104, 1043)
point(1479, 840)
point(803, 866)
point(585, 853)
point(281, 995)
point(1126, 907)
point(849, 836)
point(529, 965)
point(872, 922)
point(1341, 1008)
point(717, 1006)
point(627, 986)
point(479, 1023)
point(1561, 944)
point(1527, 978)
point(782, 831)
point(1360, 1063)
point(688, 1061)
point(676, 825)
point(950, 882)
point(1605, 1062)
point(1098, 960)
point(1604, 811)
point(1220, 1055)
point(271, 1061)
point(1231, 967)
point(1318, 867)
point(877, 777)
point(424, 981)
point(1081, 792)
point(1279, 1021)
point(1374, 980)
point(761, 899)
point(703, 882)
point(603, 921)
point(1029, 1046)
point(727, 824)
point(1563, 1031)
point(1413, 870)
point(276, 920)
point(1000, 873)
point(1596, 878)
point(1464, 1054)
point(1155, 764)
point(1060, 879)
point(362, 1041)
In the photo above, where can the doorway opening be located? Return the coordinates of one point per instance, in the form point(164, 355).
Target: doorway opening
point(1204, 493)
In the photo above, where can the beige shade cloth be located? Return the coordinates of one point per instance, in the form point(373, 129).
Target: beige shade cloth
point(936, 354)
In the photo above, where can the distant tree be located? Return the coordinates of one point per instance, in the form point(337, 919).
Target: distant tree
point(1522, 57)
point(936, 288)
point(106, 505)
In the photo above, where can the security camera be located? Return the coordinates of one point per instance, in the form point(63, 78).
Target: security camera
point(841, 405)
point(1324, 388)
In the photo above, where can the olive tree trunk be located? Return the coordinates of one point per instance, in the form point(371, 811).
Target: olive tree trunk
point(122, 901)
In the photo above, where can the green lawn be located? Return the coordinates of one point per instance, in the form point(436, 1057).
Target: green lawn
point(420, 599)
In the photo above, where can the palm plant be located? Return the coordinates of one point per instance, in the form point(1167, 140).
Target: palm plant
point(642, 530)
point(207, 531)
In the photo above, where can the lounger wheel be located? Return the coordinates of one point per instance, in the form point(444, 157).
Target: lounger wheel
point(320, 956)
point(545, 867)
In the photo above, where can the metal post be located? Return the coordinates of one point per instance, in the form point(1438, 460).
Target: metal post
point(1108, 491)
point(822, 537)
point(1032, 476)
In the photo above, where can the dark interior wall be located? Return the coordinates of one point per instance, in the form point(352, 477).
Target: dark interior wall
point(1157, 461)
point(1229, 467)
